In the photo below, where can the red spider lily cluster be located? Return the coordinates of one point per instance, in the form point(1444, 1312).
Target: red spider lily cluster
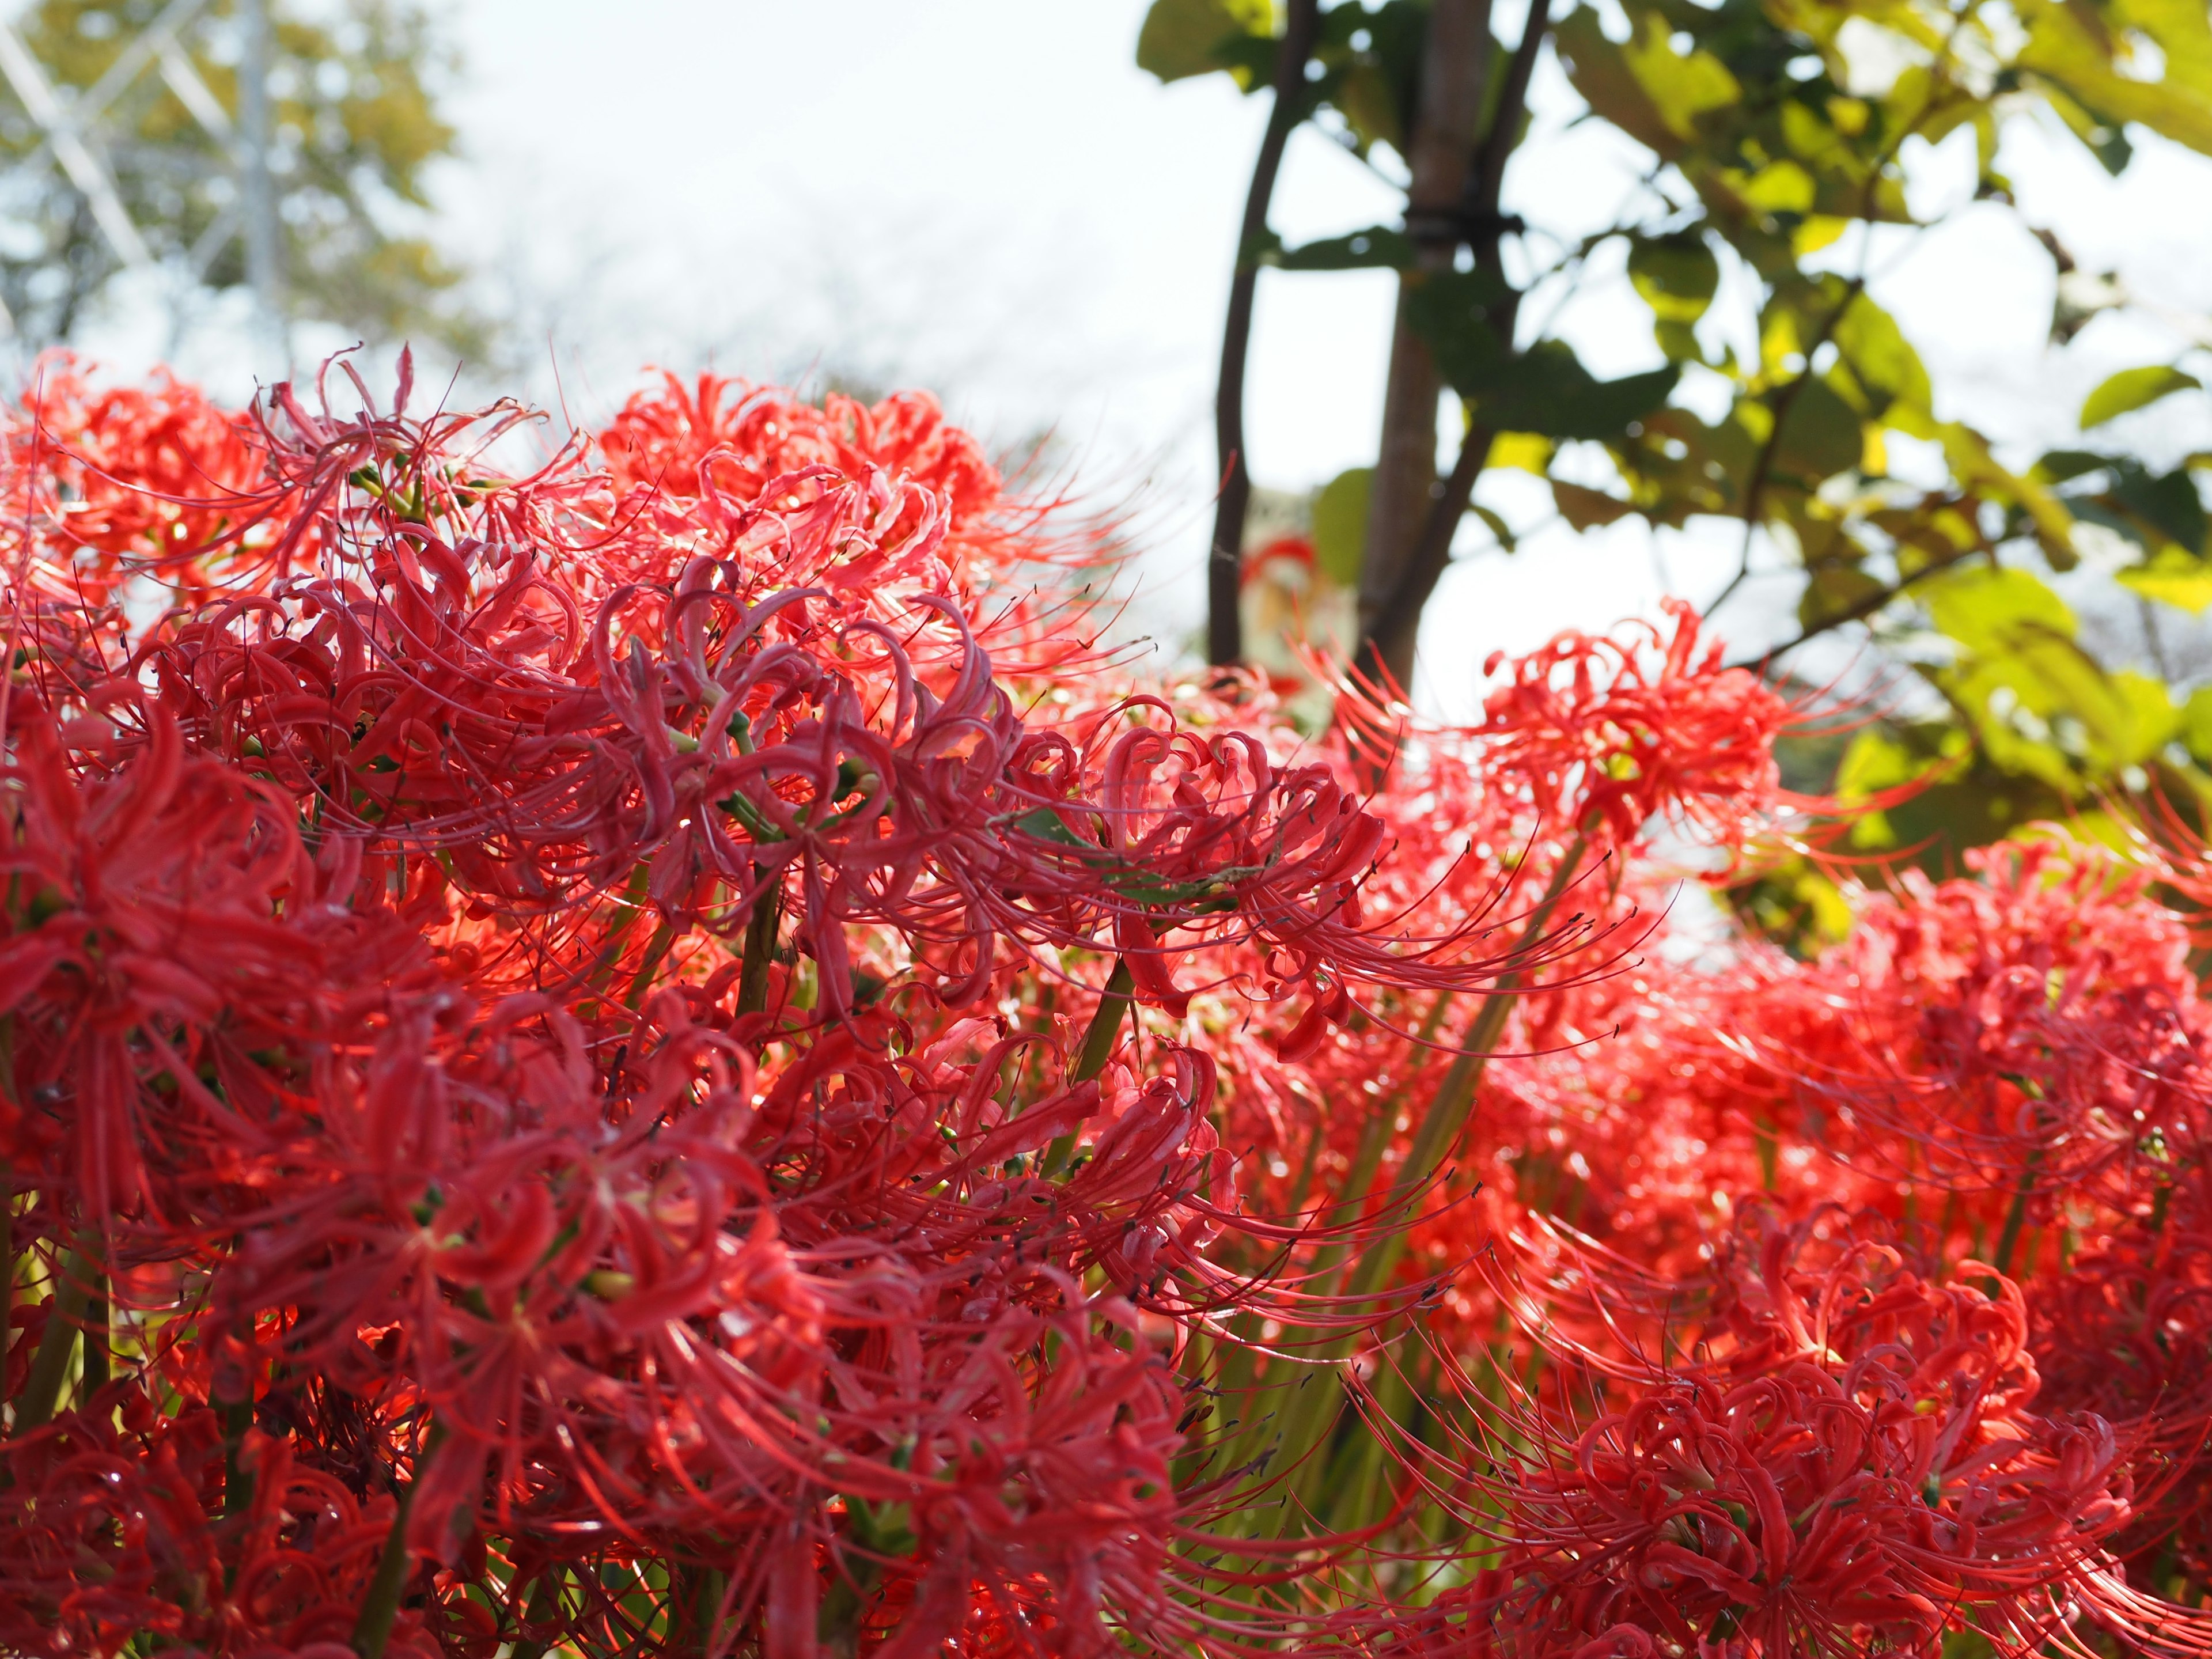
point(667, 1053)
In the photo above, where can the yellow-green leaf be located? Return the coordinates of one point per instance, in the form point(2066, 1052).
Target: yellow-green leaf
point(2065, 46)
point(1340, 525)
point(1680, 88)
point(1181, 38)
point(2173, 577)
point(1529, 452)
point(2133, 389)
point(1778, 188)
point(1985, 610)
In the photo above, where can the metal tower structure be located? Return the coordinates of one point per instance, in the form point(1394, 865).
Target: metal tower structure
point(70, 126)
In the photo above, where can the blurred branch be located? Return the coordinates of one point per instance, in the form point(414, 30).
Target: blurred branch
point(1225, 632)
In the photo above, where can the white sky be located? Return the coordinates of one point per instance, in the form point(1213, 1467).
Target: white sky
point(987, 197)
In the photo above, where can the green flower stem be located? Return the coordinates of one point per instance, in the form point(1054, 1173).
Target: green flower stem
point(760, 950)
point(42, 1390)
point(1097, 1049)
point(379, 1609)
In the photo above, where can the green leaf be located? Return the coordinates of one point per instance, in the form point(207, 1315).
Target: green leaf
point(2173, 577)
point(1984, 609)
point(1544, 389)
point(1362, 250)
point(2070, 45)
point(1340, 525)
point(2039, 704)
point(2061, 465)
point(1820, 435)
point(1364, 95)
point(1677, 275)
point(1880, 359)
point(1046, 824)
point(1497, 528)
point(2196, 730)
point(1680, 88)
point(1779, 187)
point(1836, 587)
point(1183, 38)
point(1585, 509)
point(1602, 75)
point(2133, 388)
point(1978, 469)
point(2168, 502)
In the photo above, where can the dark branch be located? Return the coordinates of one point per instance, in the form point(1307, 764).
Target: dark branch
point(1225, 631)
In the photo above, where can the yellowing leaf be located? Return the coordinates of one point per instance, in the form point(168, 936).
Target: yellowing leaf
point(1821, 230)
point(1180, 37)
point(1880, 358)
point(1849, 115)
point(2132, 389)
point(1602, 75)
point(2196, 723)
point(2174, 578)
point(1680, 88)
point(1527, 451)
point(1779, 187)
point(1986, 610)
point(2146, 721)
point(2064, 48)
point(1968, 452)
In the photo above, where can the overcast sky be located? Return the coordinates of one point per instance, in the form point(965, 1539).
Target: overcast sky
point(987, 197)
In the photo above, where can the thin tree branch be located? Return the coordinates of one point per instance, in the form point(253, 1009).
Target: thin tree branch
point(1225, 631)
point(1859, 610)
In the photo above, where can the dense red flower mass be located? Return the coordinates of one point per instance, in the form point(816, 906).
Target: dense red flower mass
point(667, 1054)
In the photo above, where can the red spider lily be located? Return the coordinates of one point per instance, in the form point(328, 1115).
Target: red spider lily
point(125, 480)
point(113, 1535)
point(1852, 1462)
point(2125, 1331)
point(1602, 734)
point(661, 1055)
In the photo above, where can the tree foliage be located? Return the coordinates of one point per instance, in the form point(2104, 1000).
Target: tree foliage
point(1773, 149)
point(355, 129)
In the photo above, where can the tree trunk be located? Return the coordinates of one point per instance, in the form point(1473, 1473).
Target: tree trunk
point(1455, 68)
point(1225, 628)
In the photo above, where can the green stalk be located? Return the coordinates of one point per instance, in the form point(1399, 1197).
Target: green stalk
point(760, 950)
point(1366, 1159)
point(7, 1268)
point(1768, 1144)
point(232, 1396)
point(1105, 1023)
point(1097, 1048)
point(543, 1604)
point(42, 1390)
point(2008, 1240)
point(656, 948)
point(92, 1374)
point(379, 1609)
point(1313, 1413)
point(707, 1606)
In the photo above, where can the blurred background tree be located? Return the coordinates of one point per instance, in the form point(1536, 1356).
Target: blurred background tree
point(133, 141)
point(1777, 137)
